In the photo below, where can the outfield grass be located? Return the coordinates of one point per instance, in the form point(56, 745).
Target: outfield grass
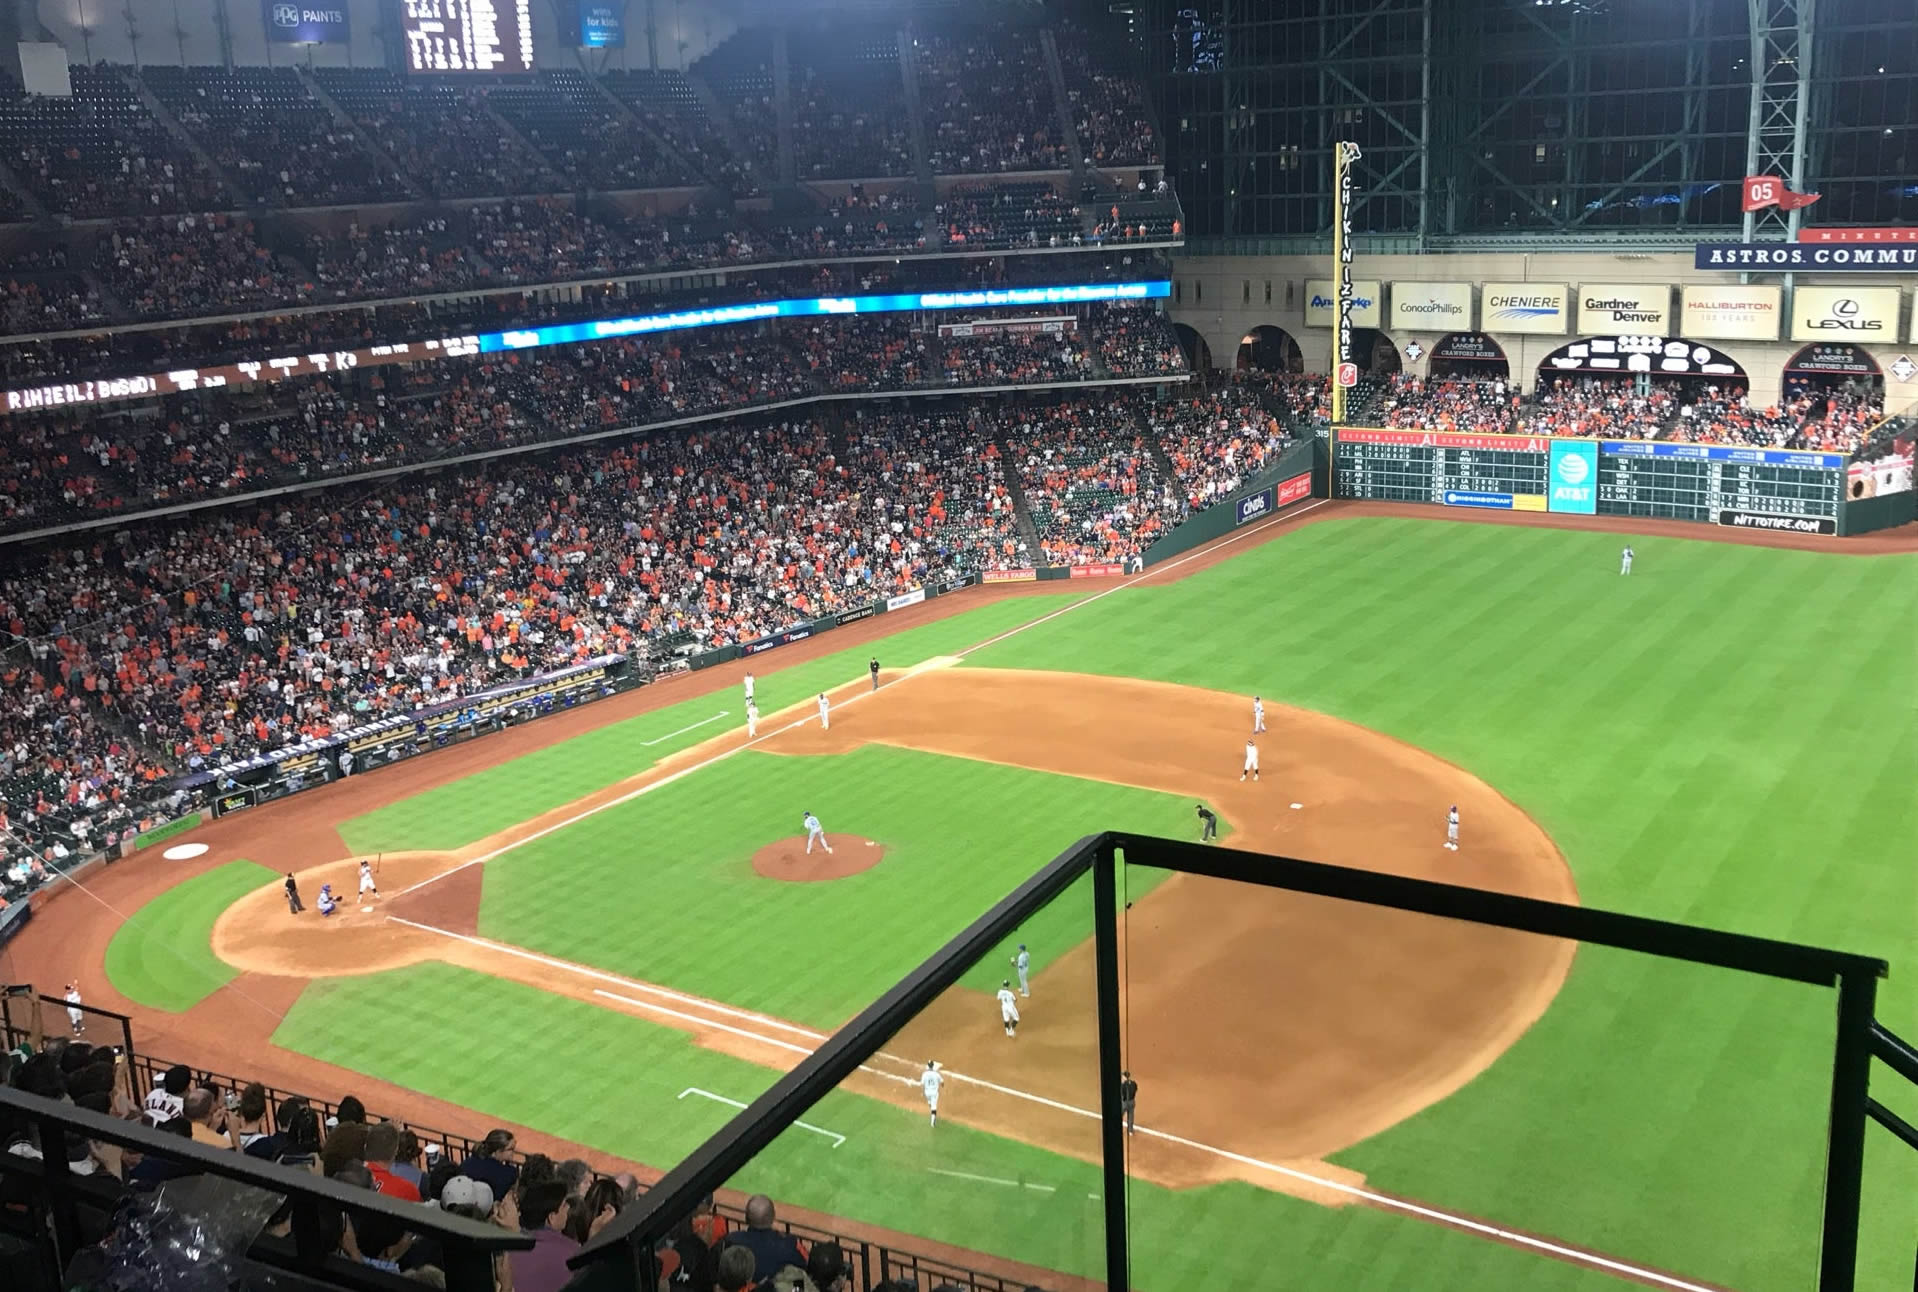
point(568, 1082)
point(487, 802)
point(662, 887)
point(1726, 737)
point(163, 957)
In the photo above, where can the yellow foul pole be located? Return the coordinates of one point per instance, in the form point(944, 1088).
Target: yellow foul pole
point(1343, 155)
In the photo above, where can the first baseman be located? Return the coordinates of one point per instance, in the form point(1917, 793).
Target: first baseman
point(1451, 828)
point(1258, 715)
point(815, 831)
point(1251, 761)
point(1023, 963)
point(929, 1082)
point(825, 712)
point(1008, 1007)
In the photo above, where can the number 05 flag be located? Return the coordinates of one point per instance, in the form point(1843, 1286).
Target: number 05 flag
point(1763, 190)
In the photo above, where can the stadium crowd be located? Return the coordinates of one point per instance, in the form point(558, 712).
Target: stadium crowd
point(558, 1204)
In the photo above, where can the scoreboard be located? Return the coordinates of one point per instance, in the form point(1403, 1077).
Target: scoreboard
point(468, 35)
point(1750, 488)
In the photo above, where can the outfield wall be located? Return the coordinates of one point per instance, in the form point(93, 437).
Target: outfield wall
point(1298, 474)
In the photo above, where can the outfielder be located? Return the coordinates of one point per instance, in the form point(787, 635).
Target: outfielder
point(1625, 561)
point(825, 712)
point(752, 720)
point(1451, 829)
point(929, 1082)
point(1251, 761)
point(1008, 1007)
point(74, 1015)
point(367, 883)
point(1023, 963)
point(815, 831)
point(1258, 715)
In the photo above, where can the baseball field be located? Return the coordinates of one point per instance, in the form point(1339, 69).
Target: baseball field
point(611, 935)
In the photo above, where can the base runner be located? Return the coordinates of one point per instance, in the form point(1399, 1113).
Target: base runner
point(1008, 1007)
point(929, 1082)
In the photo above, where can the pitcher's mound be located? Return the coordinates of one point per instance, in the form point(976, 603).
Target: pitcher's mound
point(789, 860)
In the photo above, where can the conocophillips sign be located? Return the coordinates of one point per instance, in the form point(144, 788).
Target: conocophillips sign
point(1322, 303)
point(1622, 309)
point(1431, 307)
point(1844, 314)
point(1535, 309)
point(1739, 312)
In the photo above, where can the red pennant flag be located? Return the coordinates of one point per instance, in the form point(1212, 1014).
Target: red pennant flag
point(1765, 190)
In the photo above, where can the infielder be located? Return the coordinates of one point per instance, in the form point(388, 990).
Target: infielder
point(1258, 715)
point(74, 1015)
point(1251, 761)
point(929, 1082)
point(1008, 1007)
point(1209, 820)
point(815, 831)
point(825, 712)
point(1023, 963)
point(1625, 561)
point(1451, 828)
point(752, 720)
point(749, 688)
point(367, 883)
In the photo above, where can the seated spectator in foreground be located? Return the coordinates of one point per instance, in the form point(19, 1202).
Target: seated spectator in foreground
point(488, 1164)
point(249, 1118)
point(542, 1210)
point(772, 1249)
point(208, 1118)
point(382, 1146)
point(734, 1270)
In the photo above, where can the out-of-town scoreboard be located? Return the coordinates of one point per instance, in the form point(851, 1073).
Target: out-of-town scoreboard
point(1719, 484)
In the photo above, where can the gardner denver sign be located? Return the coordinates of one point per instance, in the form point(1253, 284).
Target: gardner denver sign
point(1619, 309)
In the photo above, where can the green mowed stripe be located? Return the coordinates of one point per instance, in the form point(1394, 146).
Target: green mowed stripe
point(489, 801)
point(616, 1082)
point(163, 956)
point(1726, 737)
point(662, 888)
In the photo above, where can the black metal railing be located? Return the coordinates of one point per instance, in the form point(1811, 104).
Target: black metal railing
point(612, 1259)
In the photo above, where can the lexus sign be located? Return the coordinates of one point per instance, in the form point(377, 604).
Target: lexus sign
point(1844, 314)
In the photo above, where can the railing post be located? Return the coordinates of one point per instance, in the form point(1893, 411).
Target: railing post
point(1105, 923)
point(1845, 1143)
point(59, 1184)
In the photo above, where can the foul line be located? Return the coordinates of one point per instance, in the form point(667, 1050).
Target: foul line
point(836, 1138)
point(1385, 1201)
point(683, 730)
point(993, 1179)
point(724, 754)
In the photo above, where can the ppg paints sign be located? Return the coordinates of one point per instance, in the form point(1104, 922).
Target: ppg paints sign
point(299, 24)
point(1431, 307)
point(1531, 309)
point(1844, 314)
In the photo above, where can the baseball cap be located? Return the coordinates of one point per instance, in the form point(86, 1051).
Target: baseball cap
point(465, 1191)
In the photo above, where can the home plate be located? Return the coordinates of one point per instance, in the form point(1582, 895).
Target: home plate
point(185, 851)
point(1297, 806)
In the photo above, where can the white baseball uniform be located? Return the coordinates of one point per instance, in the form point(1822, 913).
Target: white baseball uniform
point(752, 720)
point(1258, 715)
point(1451, 829)
point(815, 831)
point(929, 1082)
point(1008, 1009)
point(367, 885)
point(1251, 761)
point(825, 714)
point(1625, 562)
point(749, 688)
point(74, 1014)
